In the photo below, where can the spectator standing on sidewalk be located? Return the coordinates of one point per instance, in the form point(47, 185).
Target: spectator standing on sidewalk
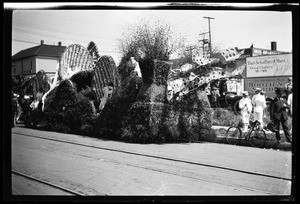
point(289, 86)
point(290, 101)
point(21, 107)
point(223, 90)
point(14, 106)
point(263, 93)
point(259, 104)
point(279, 114)
point(246, 109)
point(214, 88)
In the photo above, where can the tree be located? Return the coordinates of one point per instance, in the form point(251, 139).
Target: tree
point(149, 40)
point(93, 49)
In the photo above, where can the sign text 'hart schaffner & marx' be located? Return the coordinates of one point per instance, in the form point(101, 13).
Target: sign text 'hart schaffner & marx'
point(269, 65)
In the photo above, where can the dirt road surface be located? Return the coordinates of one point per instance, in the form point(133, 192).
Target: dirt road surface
point(92, 166)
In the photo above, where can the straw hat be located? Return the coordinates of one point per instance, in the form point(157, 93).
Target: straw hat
point(245, 93)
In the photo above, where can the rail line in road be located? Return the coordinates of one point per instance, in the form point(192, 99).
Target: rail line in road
point(158, 157)
point(48, 184)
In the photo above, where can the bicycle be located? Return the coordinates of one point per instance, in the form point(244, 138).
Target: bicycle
point(255, 135)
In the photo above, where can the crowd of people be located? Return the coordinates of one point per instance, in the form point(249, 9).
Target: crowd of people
point(24, 105)
point(280, 109)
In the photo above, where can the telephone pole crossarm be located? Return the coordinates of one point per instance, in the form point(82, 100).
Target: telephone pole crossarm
point(203, 33)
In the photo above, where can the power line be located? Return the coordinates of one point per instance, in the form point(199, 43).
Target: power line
point(25, 41)
point(36, 33)
point(39, 34)
point(57, 32)
point(74, 39)
point(187, 19)
point(110, 51)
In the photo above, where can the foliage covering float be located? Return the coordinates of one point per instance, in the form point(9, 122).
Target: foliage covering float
point(142, 123)
point(158, 123)
point(67, 110)
point(130, 83)
point(82, 79)
point(152, 120)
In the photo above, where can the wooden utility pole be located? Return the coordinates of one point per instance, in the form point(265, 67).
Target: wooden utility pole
point(209, 33)
point(203, 41)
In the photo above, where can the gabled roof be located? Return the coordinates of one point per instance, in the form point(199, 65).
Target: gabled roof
point(40, 50)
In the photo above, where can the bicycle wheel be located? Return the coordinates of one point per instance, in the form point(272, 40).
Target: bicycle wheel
point(257, 138)
point(233, 135)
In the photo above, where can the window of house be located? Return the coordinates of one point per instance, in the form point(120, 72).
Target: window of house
point(22, 67)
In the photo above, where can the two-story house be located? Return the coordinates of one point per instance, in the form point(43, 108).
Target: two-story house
point(42, 57)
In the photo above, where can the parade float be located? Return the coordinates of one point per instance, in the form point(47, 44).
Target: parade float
point(143, 100)
point(136, 110)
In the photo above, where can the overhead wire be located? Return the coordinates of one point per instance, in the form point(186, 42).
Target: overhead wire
point(58, 32)
point(186, 19)
point(25, 41)
point(36, 33)
point(31, 42)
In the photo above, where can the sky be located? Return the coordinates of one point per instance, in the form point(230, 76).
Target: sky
point(104, 27)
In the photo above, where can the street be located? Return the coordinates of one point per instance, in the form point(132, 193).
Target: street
point(92, 166)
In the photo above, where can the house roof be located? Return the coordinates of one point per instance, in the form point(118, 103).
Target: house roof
point(40, 50)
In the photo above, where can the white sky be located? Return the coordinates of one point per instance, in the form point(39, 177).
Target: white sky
point(229, 28)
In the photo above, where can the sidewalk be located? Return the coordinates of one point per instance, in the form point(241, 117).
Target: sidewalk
point(221, 132)
point(270, 144)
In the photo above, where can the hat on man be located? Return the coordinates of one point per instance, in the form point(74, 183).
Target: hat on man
point(245, 93)
point(257, 89)
point(279, 90)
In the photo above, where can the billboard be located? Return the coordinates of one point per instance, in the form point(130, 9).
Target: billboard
point(266, 84)
point(269, 66)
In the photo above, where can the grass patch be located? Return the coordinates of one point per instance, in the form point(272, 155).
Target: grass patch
point(224, 117)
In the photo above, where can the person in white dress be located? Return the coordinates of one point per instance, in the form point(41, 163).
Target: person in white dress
point(259, 104)
point(246, 109)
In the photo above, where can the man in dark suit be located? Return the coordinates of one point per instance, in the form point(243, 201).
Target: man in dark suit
point(279, 114)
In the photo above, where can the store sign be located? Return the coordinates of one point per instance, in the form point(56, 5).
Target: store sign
point(266, 84)
point(269, 65)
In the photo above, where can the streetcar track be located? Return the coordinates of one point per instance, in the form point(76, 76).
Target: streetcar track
point(191, 177)
point(47, 183)
point(159, 157)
